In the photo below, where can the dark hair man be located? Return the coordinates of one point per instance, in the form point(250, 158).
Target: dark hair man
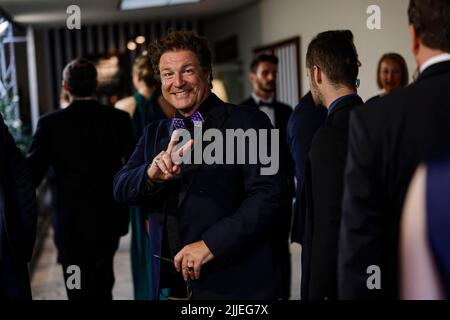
point(388, 139)
point(332, 65)
point(219, 223)
point(263, 76)
point(85, 145)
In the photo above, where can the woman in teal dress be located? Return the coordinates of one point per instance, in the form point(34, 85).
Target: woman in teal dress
point(145, 106)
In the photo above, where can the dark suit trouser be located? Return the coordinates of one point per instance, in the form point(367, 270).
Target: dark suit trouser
point(97, 274)
point(14, 279)
point(286, 270)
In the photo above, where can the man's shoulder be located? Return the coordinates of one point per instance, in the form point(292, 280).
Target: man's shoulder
point(415, 105)
point(155, 128)
point(248, 102)
point(244, 116)
point(119, 114)
point(52, 116)
point(306, 113)
point(283, 106)
point(240, 110)
point(387, 107)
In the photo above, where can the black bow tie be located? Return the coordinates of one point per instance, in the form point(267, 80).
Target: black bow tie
point(265, 104)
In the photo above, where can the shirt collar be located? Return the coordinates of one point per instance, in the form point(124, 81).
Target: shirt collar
point(339, 100)
point(75, 98)
point(259, 100)
point(435, 60)
point(204, 107)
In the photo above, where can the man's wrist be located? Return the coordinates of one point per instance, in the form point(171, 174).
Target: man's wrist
point(150, 184)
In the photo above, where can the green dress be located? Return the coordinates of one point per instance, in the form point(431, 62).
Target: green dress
point(147, 111)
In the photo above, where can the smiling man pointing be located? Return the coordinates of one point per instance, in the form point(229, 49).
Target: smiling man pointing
point(219, 223)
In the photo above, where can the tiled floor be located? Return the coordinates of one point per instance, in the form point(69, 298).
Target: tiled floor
point(48, 283)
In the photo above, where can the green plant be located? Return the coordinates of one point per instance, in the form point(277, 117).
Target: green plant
point(15, 126)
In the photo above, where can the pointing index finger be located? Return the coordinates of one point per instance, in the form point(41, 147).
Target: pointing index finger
point(173, 141)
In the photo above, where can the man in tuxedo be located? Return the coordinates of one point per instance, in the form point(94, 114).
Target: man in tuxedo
point(85, 145)
point(387, 140)
point(263, 76)
point(18, 219)
point(332, 65)
point(218, 224)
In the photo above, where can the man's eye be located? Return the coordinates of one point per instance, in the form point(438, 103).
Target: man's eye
point(166, 74)
point(188, 71)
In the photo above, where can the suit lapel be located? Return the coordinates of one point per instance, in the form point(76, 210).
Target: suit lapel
point(214, 119)
point(163, 135)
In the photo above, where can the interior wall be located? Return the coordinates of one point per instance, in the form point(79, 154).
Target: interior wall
point(246, 24)
point(282, 19)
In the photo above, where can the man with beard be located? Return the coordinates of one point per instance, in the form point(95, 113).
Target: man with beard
point(332, 65)
point(215, 229)
point(263, 76)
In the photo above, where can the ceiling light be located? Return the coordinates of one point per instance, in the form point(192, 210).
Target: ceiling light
point(131, 45)
point(140, 4)
point(140, 39)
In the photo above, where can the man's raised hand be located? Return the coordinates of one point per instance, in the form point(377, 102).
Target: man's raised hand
point(166, 165)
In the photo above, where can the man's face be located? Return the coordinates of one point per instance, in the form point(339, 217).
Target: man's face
point(184, 83)
point(265, 77)
point(314, 87)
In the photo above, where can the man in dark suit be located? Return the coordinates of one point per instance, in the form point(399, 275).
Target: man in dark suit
point(263, 76)
point(220, 223)
point(388, 138)
point(17, 219)
point(332, 64)
point(85, 144)
point(303, 124)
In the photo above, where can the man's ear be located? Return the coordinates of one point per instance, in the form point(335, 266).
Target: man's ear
point(251, 76)
point(317, 75)
point(65, 85)
point(415, 43)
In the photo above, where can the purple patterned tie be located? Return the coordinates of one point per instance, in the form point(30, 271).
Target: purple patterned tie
point(195, 120)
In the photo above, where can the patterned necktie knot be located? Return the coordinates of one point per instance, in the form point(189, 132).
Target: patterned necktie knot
point(195, 120)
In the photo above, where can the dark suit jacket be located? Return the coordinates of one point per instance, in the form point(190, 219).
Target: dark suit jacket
point(233, 208)
point(282, 114)
point(321, 200)
point(17, 200)
point(388, 138)
point(85, 144)
point(302, 126)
